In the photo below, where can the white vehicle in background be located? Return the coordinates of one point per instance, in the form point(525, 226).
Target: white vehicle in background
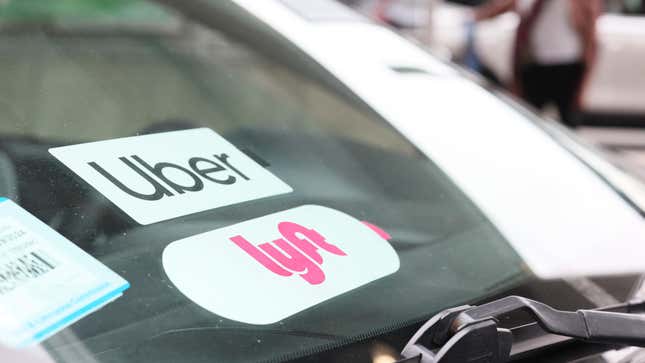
point(617, 86)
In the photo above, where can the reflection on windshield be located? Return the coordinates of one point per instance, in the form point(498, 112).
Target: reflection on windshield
point(115, 14)
point(62, 88)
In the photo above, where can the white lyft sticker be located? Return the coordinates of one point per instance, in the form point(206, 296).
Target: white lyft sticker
point(46, 282)
point(162, 176)
point(266, 269)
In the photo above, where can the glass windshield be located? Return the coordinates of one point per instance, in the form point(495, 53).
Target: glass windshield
point(76, 71)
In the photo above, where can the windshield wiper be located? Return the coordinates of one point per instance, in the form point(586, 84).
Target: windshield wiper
point(472, 333)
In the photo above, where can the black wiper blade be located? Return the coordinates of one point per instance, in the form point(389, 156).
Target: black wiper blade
point(472, 334)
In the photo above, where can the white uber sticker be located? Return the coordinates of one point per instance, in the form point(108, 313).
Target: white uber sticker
point(162, 176)
point(46, 282)
point(266, 269)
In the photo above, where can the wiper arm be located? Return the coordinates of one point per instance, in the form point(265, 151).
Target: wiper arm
point(472, 334)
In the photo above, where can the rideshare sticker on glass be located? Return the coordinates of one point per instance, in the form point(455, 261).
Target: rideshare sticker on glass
point(46, 282)
point(162, 176)
point(266, 269)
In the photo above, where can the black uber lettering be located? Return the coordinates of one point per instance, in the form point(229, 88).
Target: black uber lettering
point(224, 159)
point(159, 192)
point(214, 168)
point(199, 168)
point(157, 170)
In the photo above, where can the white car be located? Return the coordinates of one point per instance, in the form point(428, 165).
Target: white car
point(200, 181)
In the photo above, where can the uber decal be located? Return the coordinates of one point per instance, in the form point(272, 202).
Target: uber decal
point(266, 269)
point(162, 176)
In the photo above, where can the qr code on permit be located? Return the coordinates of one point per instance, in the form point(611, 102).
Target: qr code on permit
point(22, 269)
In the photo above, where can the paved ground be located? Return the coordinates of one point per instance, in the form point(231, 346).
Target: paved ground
point(626, 143)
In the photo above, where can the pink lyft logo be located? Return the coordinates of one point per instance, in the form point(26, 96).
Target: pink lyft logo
point(293, 255)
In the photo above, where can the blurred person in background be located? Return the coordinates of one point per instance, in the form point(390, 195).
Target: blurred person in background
point(402, 14)
point(555, 48)
point(409, 17)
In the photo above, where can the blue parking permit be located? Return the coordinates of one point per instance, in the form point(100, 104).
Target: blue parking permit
point(46, 282)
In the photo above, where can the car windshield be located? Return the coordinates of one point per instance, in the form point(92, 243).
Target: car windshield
point(76, 71)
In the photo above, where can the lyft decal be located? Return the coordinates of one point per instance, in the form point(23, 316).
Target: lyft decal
point(291, 252)
point(162, 176)
point(266, 269)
